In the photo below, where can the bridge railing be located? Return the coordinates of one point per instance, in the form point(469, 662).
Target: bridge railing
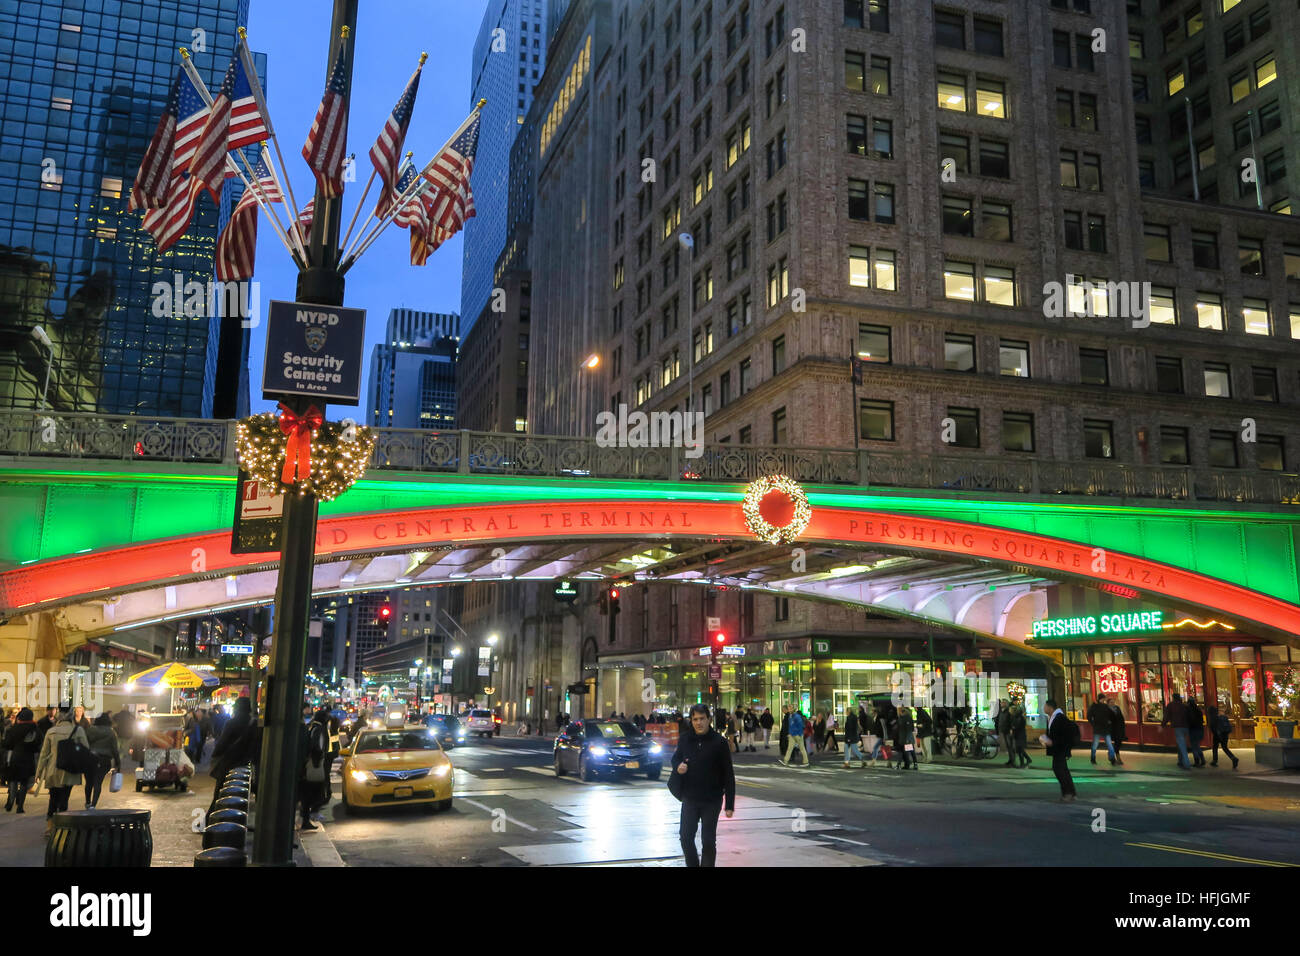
point(89, 436)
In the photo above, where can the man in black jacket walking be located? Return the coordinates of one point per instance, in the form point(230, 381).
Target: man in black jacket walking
point(1058, 740)
point(703, 758)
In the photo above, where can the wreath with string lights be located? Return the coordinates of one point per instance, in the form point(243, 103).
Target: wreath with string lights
point(303, 454)
point(1015, 691)
point(776, 509)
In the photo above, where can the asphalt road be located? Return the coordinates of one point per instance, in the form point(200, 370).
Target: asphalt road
point(511, 810)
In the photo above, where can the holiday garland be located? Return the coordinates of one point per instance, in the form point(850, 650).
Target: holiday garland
point(765, 530)
point(326, 464)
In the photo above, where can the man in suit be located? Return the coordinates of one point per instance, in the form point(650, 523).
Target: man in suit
point(1057, 741)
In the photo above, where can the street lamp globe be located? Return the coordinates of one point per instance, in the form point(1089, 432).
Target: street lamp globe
point(455, 652)
point(493, 638)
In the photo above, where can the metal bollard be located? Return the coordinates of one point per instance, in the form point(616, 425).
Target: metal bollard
point(220, 856)
point(224, 834)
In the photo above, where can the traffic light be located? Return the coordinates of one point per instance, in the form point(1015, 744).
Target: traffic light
point(719, 639)
point(385, 615)
point(613, 601)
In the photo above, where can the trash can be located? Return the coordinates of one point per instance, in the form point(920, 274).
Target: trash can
point(100, 838)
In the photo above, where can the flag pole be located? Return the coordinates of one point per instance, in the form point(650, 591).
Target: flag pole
point(286, 188)
point(373, 171)
point(258, 196)
point(398, 203)
point(388, 216)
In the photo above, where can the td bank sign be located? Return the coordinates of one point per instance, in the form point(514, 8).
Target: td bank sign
point(1130, 623)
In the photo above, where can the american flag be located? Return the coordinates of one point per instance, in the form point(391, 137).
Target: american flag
point(208, 168)
point(168, 222)
point(449, 172)
point(412, 208)
point(237, 244)
point(247, 124)
point(149, 191)
point(304, 220)
point(387, 151)
point(329, 133)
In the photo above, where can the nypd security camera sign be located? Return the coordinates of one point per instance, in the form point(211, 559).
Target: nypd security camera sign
point(314, 351)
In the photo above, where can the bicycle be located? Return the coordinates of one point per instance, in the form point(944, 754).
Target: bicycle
point(975, 741)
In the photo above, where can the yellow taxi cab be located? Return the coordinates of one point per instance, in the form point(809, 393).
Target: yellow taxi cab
point(393, 765)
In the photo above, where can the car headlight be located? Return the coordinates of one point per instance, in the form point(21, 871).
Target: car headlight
point(598, 751)
point(655, 748)
point(442, 770)
point(362, 776)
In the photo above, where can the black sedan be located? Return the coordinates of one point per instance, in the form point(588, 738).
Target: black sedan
point(593, 747)
point(446, 728)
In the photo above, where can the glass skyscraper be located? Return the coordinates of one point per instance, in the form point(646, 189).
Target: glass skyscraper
point(82, 86)
point(509, 59)
point(413, 373)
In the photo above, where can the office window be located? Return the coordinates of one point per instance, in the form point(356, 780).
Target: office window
point(952, 91)
point(999, 285)
point(959, 352)
point(1264, 383)
point(967, 420)
point(1098, 439)
point(882, 138)
point(1096, 233)
point(1265, 71)
point(778, 355)
point(1093, 367)
point(779, 436)
point(1161, 308)
point(1088, 111)
point(1239, 86)
point(1156, 242)
point(1250, 256)
point(1064, 108)
point(957, 148)
point(1083, 52)
point(950, 30)
point(988, 36)
point(746, 435)
point(1270, 453)
point(876, 419)
point(995, 221)
point(994, 159)
point(1061, 49)
point(958, 216)
point(1209, 311)
point(1070, 168)
point(1294, 316)
point(1169, 375)
point(874, 343)
point(1136, 46)
point(855, 71)
point(886, 270)
point(1091, 169)
point(860, 266)
point(1205, 250)
point(1013, 358)
point(959, 280)
point(1175, 80)
point(884, 195)
point(859, 200)
point(1173, 446)
point(880, 83)
point(1218, 383)
point(778, 281)
point(857, 134)
point(1255, 316)
point(1073, 222)
point(1223, 449)
point(1017, 431)
point(724, 390)
point(991, 97)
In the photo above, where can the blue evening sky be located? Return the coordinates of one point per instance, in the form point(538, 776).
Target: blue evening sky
point(390, 36)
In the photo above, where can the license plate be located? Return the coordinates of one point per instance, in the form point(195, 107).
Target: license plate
point(401, 792)
point(632, 765)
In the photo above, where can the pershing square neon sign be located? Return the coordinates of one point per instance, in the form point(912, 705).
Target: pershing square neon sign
point(1099, 624)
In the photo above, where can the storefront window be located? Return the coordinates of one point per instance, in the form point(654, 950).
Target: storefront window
point(1153, 692)
point(1219, 654)
point(1122, 656)
point(1101, 655)
point(1186, 679)
point(1243, 655)
point(1274, 652)
point(1247, 689)
point(1148, 654)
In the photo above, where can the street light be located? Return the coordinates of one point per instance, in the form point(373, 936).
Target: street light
point(592, 361)
point(492, 639)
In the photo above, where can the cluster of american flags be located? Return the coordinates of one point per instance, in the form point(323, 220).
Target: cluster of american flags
point(195, 147)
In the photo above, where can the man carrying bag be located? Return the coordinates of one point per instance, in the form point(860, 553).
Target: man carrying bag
point(702, 778)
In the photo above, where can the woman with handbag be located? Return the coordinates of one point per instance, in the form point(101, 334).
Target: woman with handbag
point(58, 765)
point(103, 744)
point(312, 780)
point(21, 740)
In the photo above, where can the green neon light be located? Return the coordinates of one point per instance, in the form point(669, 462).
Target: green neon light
point(1127, 623)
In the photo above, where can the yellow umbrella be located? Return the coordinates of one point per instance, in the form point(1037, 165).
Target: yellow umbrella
point(172, 675)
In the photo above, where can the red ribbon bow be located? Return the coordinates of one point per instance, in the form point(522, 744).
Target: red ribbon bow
point(297, 451)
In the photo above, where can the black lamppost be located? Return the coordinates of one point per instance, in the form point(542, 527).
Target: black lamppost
point(319, 284)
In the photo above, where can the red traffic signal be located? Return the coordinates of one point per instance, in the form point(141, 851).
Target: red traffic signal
point(385, 612)
point(719, 638)
point(613, 601)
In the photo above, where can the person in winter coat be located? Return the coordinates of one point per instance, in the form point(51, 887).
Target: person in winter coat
point(703, 760)
point(232, 749)
point(831, 745)
point(1220, 729)
point(942, 721)
point(767, 722)
point(1019, 728)
point(22, 742)
point(851, 751)
point(727, 725)
point(1003, 725)
point(314, 773)
point(103, 744)
point(798, 743)
point(45, 723)
point(58, 782)
point(1117, 732)
point(1176, 717)
point(924, 730)
point(1195, 731)
point(783, 741)
point(124, 724)
point(905, 738)
point(819, 731)
point(809, 736)
point(1100, 719)
point(748, 726)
